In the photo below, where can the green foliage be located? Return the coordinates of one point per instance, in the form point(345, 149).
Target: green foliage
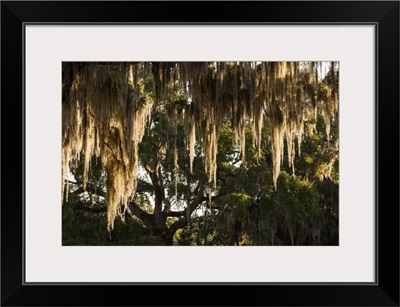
point(87, 228)
point(238, 203)
point(148, 87)
point(299, 199)
point(80, 228)
point(319, 158)
point(178, 98)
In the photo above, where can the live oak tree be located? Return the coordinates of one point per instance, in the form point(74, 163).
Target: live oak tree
point(168, 139)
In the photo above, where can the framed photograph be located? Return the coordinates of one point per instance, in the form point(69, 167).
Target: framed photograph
point(203, 148)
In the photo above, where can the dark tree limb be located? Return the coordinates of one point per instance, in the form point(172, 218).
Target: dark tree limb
point(91, 189)
point(212, 206)
point(140, 213)
point(134, 210)
point(183, 219)
point(175, 213)
point(184, 212)
point(158, 189)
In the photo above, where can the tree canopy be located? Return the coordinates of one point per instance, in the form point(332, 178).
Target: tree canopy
point(201, 153)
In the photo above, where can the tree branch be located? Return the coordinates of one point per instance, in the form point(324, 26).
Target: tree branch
point(184, 220)
point(184, 212)
point(157, 185)
point(175, 213)
point(140, 213)
point(90, 188)
point(134, 210)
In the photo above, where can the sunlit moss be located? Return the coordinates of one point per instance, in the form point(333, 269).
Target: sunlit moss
point(106, 106)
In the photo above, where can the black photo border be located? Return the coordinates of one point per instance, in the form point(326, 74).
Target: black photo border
point(383, 14)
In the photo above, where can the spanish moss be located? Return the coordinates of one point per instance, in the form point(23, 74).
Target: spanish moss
point(105, 110)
